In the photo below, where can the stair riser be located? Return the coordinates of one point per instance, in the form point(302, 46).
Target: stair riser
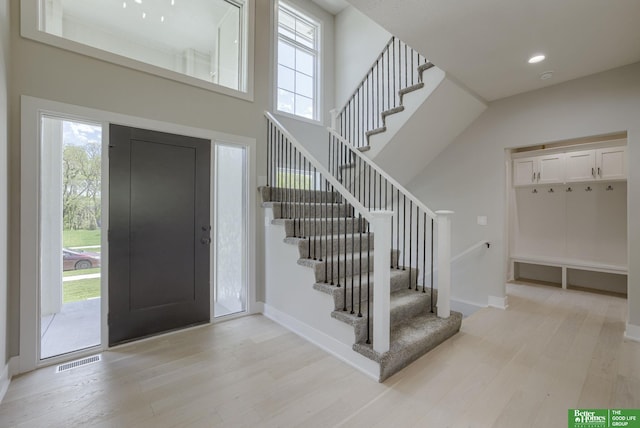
point(322, 227)
point(337, 245)
point(282, 210)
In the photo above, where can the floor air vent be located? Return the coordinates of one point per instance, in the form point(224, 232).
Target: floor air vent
point(77, 363)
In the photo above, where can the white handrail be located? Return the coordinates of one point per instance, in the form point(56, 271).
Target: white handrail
point(322, 170)
point(386, 176)
point(470, 249)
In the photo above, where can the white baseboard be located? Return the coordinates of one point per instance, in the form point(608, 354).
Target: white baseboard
point(324, 341)
point(257, 308)
point(498, 302)
point(632, 332)
point(7, 373)
point(467, 307)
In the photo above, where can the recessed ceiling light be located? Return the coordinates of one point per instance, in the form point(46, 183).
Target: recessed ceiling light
point(162, 19)
point(138, 1)
point(124, 4)
point(536, 58)
point(173, 2)
point(144, 15)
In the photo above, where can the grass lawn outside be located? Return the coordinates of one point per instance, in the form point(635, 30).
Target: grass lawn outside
point(77, 272)
point(82, 289)
point(81, 238)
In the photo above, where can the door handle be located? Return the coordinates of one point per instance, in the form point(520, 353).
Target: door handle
point(538, 175)
point(599, 172)
point(533, 179)
point(205, 240)
point(593, 173)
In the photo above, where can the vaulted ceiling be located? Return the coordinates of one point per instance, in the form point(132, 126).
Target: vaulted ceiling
point(485, 44)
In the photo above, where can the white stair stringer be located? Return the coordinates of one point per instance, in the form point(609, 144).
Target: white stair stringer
point(433, 117)
point(288, 284)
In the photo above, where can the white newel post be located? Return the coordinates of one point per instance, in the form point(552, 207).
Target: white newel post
point(334, 118)
point(444, 263)
point(381, 226)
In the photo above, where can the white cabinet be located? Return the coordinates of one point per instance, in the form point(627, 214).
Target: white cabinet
point(571, 166)
point(525, 171)
point(611, 163)
point(599, 164)
point(545, 169)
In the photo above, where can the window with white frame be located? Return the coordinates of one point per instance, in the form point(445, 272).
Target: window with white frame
point(204, 43)
point(298, 57)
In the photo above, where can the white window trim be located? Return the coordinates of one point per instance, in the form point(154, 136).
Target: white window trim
point(318, 101)
point(31, 111)
point(30, 25)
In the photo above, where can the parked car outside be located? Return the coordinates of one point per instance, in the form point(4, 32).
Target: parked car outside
point(72, 259)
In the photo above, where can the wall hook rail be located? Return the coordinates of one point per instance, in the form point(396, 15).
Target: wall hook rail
point(609, 187)
point(588, 189)
point(569, 189)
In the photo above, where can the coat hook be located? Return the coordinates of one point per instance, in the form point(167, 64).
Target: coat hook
point(569, 189)
point(551, 190)
point(534, 191)
point(609, 187)
point(588, 189)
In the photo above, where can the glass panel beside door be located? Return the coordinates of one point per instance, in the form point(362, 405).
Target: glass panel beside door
point(70, 236)
point(230, 291)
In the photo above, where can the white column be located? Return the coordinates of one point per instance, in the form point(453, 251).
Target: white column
point(334, 118)
point(381, 227)
point(444, 263)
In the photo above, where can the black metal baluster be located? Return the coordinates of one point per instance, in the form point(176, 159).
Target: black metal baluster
point(398, 224)
point(360, 270)
point(368, 281)
point(410, 242)
point(330, 233)
point(315, 219)
point(326, 229)
point(424, 252)
point(417, 244)
point(394, 71)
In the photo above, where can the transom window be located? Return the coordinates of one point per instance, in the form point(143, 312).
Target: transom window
point(298, 58)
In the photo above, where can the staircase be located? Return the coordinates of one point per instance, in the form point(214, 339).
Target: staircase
point(361, 247)
point(405, 112)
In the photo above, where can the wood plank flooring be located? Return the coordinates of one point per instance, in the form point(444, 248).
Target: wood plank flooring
point(552, 350)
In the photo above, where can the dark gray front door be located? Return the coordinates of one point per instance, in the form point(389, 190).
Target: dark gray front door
point(159, 232)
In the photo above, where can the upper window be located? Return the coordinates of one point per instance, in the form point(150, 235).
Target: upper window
point(205, 40)
point(298, 63)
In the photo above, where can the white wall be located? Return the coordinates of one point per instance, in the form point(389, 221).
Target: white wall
point(359, 41)
point(469, 175)
point(4, 107)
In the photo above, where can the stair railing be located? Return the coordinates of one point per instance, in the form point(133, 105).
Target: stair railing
point(413, 225)
point(307, 190)
point(397, 67)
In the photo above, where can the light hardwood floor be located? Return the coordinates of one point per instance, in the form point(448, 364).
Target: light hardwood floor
point(524, 367)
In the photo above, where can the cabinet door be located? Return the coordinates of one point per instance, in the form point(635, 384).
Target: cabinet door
point(581, 166)
point(611, 163)
point(551, 169)
point(524, 171)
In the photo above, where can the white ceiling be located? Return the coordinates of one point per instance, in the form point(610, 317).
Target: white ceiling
point(332, 6)
point(485, 44)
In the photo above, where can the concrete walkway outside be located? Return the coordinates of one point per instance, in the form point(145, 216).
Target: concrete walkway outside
point(75, 327)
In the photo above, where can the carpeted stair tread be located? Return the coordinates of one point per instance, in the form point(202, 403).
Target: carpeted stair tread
point(308, 209)
point(391, 111)
point(284, 194)
point(424, 67)
point(317, 245)
point(410, 340)
point(321, 226)
point(334, 266)
point(398, 280)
